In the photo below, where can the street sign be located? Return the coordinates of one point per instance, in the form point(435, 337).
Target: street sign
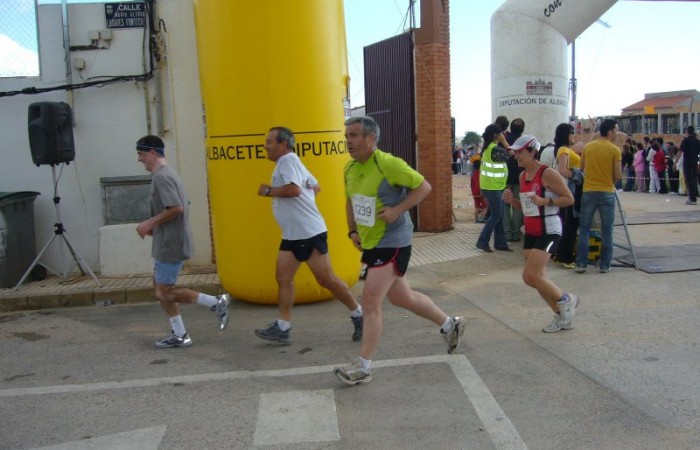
point(125, 15)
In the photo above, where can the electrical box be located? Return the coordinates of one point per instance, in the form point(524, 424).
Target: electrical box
point(106, 35)
point(94, 35)
point(78, 63)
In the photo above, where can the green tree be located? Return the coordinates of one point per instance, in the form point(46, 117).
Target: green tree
point(471, 138)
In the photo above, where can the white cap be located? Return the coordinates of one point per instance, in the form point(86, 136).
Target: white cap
point(526, 141)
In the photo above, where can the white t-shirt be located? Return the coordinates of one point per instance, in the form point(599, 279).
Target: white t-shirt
point(547, 156)
point(298, 217)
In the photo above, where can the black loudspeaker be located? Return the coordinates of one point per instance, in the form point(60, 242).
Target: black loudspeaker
point(51, 133)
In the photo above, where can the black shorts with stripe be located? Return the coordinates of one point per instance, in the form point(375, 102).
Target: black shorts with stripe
point(380, 257)
point(547, 243)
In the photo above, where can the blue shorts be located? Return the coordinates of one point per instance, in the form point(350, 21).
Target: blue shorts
point(166, 273)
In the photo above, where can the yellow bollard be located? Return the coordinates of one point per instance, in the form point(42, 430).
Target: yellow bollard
point(263, 64)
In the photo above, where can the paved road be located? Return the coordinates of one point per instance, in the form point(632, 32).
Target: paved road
point(625, 378)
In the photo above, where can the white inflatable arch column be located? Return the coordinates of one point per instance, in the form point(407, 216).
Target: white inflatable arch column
point(529, 65)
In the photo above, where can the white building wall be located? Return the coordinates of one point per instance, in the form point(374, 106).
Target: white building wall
point(108, 121)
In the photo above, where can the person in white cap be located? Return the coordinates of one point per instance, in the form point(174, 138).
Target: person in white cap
point(542, 192)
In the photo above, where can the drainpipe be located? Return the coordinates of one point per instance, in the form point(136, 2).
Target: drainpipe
point(155, 40)
point(149, 61)
point(145, 64)
point(157, 71)
point(66, 50)
point(529, 76)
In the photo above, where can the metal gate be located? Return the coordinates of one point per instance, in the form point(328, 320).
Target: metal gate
point(390, 97)
point(390, 94)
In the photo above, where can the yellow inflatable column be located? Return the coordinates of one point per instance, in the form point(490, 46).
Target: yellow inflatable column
point(266, 63)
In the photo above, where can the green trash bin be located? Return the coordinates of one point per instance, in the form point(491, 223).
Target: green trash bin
point(17, 245)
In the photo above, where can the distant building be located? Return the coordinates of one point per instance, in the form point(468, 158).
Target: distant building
point(662, 113)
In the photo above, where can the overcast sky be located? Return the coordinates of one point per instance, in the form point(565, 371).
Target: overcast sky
point(647, 49)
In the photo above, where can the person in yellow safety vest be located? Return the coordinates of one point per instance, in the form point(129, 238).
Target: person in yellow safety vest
point(493, 177)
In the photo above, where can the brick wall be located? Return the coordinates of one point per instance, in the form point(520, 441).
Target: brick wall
point(433, 114)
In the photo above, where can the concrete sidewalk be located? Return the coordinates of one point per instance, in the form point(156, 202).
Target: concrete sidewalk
point(77, 290)
point(53, 292)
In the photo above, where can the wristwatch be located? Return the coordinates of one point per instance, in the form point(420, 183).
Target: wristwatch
point(351, 232)
point(551, 201)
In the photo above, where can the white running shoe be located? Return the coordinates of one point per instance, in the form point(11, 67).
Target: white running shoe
point(556, 325)
point(353, 373)
point(452, 338)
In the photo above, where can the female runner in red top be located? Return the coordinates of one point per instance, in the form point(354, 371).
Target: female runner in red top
point(542, 192)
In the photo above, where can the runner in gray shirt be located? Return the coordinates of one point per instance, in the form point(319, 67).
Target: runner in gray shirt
point(172, 243)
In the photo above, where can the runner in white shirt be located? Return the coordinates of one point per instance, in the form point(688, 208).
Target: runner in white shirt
point(304, 235)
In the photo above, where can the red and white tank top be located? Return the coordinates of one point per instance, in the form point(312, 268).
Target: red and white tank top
point(539, 220)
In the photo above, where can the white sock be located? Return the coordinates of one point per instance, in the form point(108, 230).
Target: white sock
point(357, 312)
point(207, 300)
point(178, 326)
point(283, 324)
point(366, 363)
point(447, 325)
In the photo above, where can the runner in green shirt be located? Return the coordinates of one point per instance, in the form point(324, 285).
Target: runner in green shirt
point(380, 190)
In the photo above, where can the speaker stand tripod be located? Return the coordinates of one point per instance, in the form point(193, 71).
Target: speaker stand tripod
point(59, 231)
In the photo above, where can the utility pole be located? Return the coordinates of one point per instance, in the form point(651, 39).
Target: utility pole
point(572, 82)
point(412, 14)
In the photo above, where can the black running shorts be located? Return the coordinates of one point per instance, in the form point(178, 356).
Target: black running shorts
point(380, 257)
point(547, 243)
point(303, 248)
